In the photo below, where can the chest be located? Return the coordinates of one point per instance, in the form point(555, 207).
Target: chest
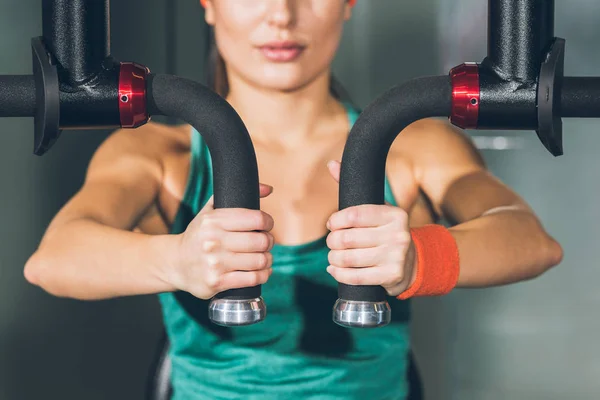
point(305, 194)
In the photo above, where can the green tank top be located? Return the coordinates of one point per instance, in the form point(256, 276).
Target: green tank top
point(298, 352)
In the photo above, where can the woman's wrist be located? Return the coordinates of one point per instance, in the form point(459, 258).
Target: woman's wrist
point(164, 250)
point(437, 264)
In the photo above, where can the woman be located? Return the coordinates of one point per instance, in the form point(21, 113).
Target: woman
point(143, 223)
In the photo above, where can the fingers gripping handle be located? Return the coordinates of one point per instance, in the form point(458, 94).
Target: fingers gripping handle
point(235, 171)
point(362, 176)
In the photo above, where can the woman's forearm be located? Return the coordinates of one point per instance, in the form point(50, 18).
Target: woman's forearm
point(86, 260)
point(503, 248)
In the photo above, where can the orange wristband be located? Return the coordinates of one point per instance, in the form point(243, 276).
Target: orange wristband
point(437, 262)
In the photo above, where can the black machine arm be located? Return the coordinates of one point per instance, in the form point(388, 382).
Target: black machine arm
point(17, 96)
point(519, 85)
point(76, 84)
point(580, 97)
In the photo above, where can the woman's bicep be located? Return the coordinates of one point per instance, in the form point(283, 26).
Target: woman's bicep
point(476, 194)
point(451, 172)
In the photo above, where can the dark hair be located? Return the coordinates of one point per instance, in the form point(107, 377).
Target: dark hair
point(216, 75)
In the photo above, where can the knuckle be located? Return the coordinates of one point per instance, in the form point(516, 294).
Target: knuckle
point(207, 233)
point(264, 277)
point(269, 260)
point(354, 215)
point(270, 222)
point(399, 214)
point(271, 241)
point(332, 241)
point(346, 239)
point(332, 222)
point(263, 221)
point(255, 279)
point(210, 245)
point(348, 258)
point(263, 261)
point(401, 237)
point(336, 275)
point(397, 275)
point(209, 220)
point(390, 280)
point(259, 220)
point(331, 257)
point(213, 281)
point(214, 262)
point(264, 242)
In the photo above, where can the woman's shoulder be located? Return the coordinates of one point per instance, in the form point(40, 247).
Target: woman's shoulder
point(431, 143)
point(429, 151)
point(152, 140)
point(149, 151)
point(155, 135)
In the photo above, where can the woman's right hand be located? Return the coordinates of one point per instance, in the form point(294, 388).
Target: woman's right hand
point(222, 249)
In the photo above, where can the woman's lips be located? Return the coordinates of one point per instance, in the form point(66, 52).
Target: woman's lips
point(281, 51)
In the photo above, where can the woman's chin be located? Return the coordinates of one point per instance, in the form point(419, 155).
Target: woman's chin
point(285, 83)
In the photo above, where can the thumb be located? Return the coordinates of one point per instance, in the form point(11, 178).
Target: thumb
point(265, 190)
point(334, 169)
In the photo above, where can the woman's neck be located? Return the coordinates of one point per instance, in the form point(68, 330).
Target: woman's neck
point(280, 117)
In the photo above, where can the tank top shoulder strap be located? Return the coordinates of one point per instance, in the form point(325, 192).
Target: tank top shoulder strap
point(200, 171)
point(199, 185)
point(353, 114)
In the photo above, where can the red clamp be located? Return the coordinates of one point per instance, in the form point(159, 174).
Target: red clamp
point(132, 95)
point(465, 95)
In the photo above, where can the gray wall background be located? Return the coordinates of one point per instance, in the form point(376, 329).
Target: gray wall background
point(57, 348)
point(534, 340)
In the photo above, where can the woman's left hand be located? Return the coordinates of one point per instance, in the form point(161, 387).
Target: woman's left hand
point(371, 245)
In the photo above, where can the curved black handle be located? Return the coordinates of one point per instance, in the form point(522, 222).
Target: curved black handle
point(362, 176)
point(235, 170)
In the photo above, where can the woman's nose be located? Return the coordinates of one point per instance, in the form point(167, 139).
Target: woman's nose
point(282, 13)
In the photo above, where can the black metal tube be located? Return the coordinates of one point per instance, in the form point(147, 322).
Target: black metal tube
point(363, 168)
point(235, 170)
point(519, 33)
point(94, 104)
point(580, 97)
point(508, 104)
point(17, 96)
point(77, 34)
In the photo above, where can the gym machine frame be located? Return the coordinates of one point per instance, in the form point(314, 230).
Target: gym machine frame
point(76, 84)
point(519, 85)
